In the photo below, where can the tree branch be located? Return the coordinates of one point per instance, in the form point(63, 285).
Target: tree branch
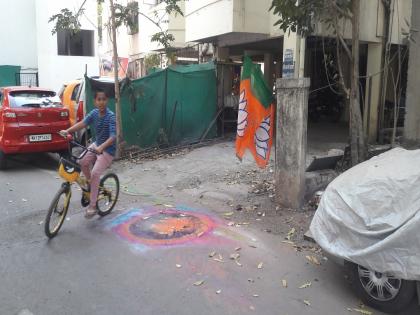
point(151, 20)
point(341, 39)
point(340, 71)
point(340, 10)
point(345, 46)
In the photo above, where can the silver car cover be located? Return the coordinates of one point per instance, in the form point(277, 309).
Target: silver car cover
point(370, 215)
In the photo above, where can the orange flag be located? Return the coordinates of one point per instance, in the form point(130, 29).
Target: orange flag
point(255, 116)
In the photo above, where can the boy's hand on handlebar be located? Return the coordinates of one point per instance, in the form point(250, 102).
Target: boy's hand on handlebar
point(63, 133)
point(99, 150)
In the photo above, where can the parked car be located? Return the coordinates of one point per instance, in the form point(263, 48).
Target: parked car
point(69, 94)
point(369, 220)
point(29, 121)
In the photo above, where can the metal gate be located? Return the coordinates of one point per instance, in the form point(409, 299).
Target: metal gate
point(27, 79)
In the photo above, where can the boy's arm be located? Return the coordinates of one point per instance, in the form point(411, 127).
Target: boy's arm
point(105, 145)
point(79, 126)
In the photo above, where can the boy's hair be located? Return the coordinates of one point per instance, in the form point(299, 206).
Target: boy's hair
point(97, 91)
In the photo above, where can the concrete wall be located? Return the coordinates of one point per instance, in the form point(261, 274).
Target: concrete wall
point(372, 21)
point(173, 23)
point(18, 33)
point(208, 18)
point(54, 70)
point(123, 40)
point(251, 16)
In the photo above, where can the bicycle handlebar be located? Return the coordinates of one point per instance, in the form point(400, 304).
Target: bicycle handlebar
point(70, 140)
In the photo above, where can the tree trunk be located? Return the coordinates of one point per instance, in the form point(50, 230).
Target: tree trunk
point(117, 83)
point(356, 124)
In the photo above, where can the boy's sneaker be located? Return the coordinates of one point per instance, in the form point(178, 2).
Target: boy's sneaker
point(90, 213)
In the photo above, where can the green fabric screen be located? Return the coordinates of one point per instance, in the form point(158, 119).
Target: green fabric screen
point(169, 107)
point(8, 75)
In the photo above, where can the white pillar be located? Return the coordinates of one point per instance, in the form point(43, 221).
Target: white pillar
point(291, 133)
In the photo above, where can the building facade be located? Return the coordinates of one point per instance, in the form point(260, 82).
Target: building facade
point(245, 27)
point(54, 59)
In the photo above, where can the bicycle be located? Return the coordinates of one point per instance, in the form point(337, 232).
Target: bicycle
point(69, 170)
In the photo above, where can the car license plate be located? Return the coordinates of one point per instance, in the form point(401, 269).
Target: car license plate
point(40, 138)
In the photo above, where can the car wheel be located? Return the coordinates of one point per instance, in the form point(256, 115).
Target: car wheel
point(383, 292)
point(3, 160)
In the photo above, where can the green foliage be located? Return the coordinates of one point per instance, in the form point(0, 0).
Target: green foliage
point(124, 15)
point(301, 16)
point(164, 38)
point(128, 16)
point(151, 61)
point(295, 17)
point(173, 7)
point(66, 20)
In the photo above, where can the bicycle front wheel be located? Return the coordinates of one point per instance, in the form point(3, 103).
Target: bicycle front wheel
point(109, 189)
point(57, 211)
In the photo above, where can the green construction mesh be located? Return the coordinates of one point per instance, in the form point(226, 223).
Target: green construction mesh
point(168, 107)
point(8, 75)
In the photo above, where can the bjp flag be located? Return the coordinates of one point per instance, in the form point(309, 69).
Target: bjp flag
point(255, 116)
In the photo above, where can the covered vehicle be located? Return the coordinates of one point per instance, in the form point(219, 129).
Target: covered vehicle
point(30, 119)
point(370, 217)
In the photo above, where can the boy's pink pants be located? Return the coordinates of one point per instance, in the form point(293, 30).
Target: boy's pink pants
point(100, 164)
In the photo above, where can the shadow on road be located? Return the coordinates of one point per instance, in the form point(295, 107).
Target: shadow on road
point(24, 162)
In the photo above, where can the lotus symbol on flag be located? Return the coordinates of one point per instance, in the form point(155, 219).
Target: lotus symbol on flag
point(242, 115)
point(262, 138)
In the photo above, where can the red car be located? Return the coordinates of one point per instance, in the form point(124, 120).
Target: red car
point(29, 121)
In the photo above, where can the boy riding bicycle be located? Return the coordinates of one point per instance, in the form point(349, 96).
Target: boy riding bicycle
point(102, 120)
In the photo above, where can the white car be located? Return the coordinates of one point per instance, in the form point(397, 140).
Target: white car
point(369, 220)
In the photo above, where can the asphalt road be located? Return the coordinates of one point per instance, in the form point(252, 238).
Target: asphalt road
point(94, 267)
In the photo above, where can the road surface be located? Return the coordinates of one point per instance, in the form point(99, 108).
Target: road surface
point(177, 259)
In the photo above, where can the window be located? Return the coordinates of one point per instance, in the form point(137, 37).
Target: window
point(36, 99)
point(80, 43)
point(61, 92)
point(75, 92)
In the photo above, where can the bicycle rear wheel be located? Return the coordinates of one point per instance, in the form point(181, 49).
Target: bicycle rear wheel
point(57, 211)
point(109, 189)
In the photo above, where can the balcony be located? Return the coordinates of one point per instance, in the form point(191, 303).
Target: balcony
point(227, 22)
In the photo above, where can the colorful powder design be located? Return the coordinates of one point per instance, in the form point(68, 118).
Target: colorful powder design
point(154, 227)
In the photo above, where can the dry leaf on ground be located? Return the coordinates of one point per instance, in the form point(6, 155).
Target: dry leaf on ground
point(313, 260)
point(290, 234)
point(234, 256)
point(305, 285)
point(364, 312)
point(198, 283)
